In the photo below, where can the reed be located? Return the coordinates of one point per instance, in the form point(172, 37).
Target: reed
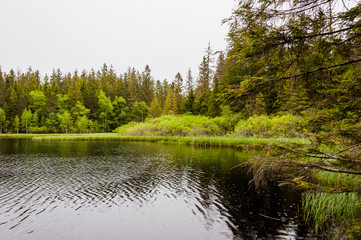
point(198, 141)
point(338, 181)
point(331, 213)
point(21, 135)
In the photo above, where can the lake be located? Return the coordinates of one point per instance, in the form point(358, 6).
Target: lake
point(117, 190)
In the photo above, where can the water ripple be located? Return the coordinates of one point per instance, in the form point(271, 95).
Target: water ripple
point(38, 188)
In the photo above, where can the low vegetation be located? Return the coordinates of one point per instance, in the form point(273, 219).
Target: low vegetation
point(284, 126)
point(332, 213)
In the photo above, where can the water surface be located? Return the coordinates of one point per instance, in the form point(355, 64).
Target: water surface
point(114, 190)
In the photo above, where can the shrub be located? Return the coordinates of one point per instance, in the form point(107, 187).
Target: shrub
point(272, 126)
point(169, 125)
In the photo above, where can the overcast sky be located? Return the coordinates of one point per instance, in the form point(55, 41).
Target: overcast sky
point(171, 36)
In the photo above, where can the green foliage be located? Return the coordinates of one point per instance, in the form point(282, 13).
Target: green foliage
point(277, 126)
point(52, 123)
point(79, 110)
point(65, 122)
point(120, 113)
point(83, 124)
point(354, 231)
point(35, 120)
point(37, 101)
point(228, 120)
point(16, 124)
point(105, 109)
point(36, 129)
point(26, 119)
point(140, 111)
point(169, 125)
point(63, 103)
point(170, 103)
point(331, 213)
point(155, 109)
point(2, 119)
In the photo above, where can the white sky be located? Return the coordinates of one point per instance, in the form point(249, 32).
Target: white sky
point(171, 36)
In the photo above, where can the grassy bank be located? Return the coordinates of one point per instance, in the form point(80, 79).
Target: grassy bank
point(333, 215)
point(197, 141)
point(334, 210)
point(23, 135)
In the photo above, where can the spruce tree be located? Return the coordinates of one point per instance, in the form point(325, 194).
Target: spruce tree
point(2, 119)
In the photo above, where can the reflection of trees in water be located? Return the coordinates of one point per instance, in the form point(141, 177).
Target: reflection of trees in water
point(83, 174)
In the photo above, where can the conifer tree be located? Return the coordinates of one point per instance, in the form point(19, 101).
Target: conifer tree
point(205, 72)
point(147, 86)
point(170, 104)
point(133, 87)
point(294, 97)
point(16, 124)
point(3, 89)
point(155, 109)
point(178, 81)
point(259, 105)
point(190, 96)
point(2, 119)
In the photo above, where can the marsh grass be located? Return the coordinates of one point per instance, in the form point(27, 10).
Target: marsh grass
point(331, 213)
point(339, 181)
point(21, 135)
point(201, 141)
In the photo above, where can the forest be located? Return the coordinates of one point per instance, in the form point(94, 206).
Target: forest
point(302, 61)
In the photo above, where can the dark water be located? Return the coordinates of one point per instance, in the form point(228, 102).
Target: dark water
point(113, 190)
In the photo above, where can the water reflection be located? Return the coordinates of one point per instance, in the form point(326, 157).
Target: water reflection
point(109, 190)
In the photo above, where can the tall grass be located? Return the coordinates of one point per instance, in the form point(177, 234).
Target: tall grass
point(22, 135)
point(197, 141)
point(331, 213)
point(338, 181)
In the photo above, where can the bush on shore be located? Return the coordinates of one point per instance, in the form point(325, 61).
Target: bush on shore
point(169, 125)
point(188, 125)
point(287, 125)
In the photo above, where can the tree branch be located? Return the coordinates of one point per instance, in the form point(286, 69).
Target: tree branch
point(313, 166)
point(274, 80)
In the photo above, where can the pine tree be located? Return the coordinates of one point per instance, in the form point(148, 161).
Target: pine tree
point(170, 104)
point(214, 106)
point(205, 73)
point(16, 124)
point(133, 87)
point(147, 86)
point(294, 98)
point(3, 89)
point(155, 108)
point(178, 81)
point(2, 119)
point(259, 105)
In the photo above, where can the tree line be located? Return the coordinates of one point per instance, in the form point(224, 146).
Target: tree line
point(93, 101)
point(282, 56)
